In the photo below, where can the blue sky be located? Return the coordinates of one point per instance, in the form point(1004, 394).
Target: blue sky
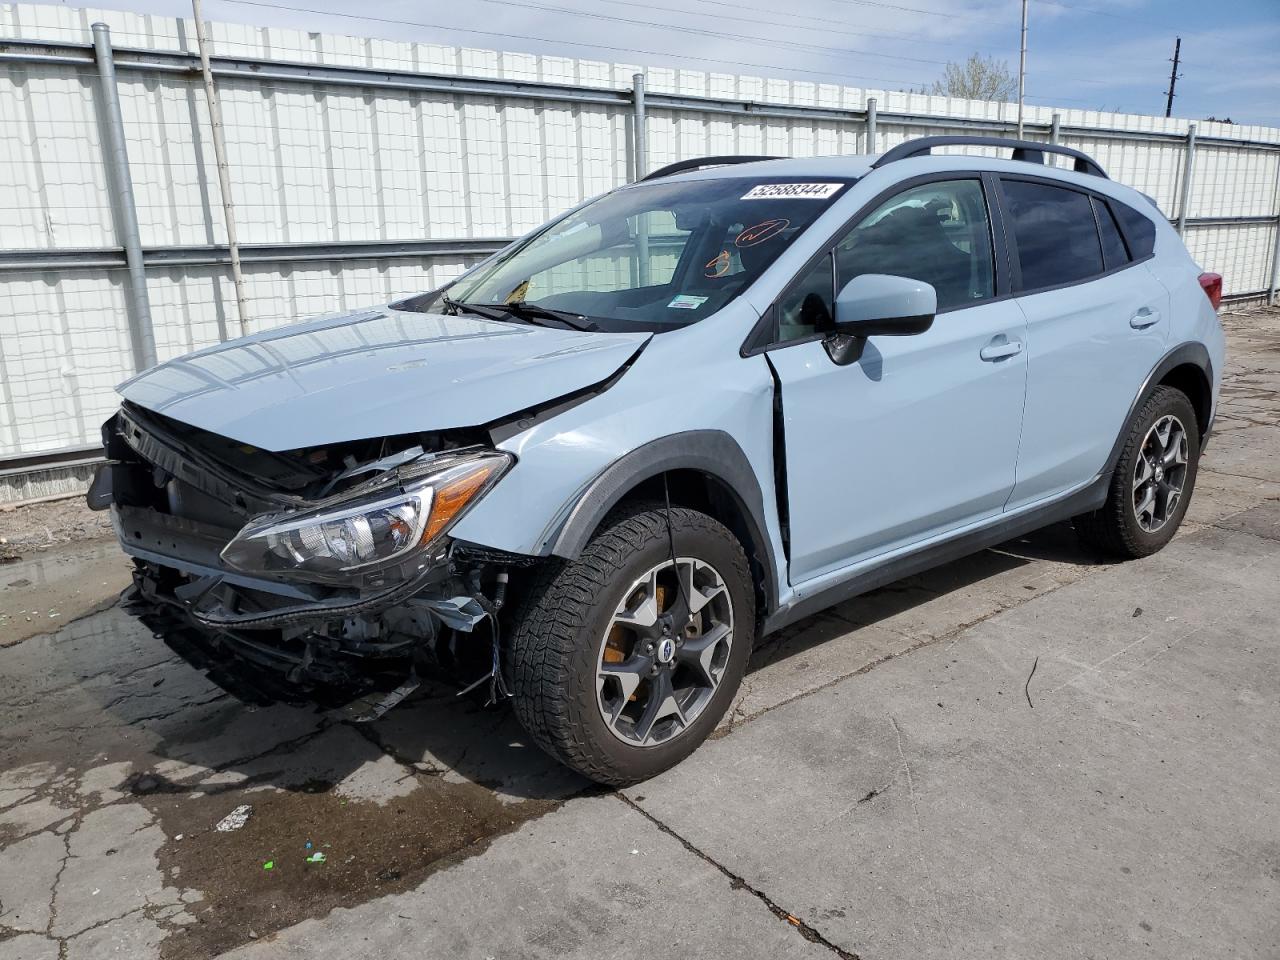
point(1094, 54)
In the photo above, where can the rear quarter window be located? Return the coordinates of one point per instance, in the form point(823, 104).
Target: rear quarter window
point(1114, 253)
point(1139, 231)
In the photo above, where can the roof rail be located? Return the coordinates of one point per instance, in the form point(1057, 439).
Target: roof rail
point(680, 166)
point(1031, 151)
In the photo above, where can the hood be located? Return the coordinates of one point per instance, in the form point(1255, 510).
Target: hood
point(375, 373)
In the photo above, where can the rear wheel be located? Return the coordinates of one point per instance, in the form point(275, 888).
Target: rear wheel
point(623, 661)
point(1153, 480)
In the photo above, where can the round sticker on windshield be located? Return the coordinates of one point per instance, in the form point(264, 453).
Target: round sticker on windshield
point(765, 230)
point(719, 265)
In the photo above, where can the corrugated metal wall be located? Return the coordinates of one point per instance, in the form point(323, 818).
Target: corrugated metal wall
point(336, 170)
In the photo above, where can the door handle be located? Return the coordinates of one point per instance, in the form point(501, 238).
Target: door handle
point(999, 349)
point(1144, 318)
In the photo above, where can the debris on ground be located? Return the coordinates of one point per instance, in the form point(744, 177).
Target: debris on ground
point(316, 857)
point(35, 527)
point(236, 819)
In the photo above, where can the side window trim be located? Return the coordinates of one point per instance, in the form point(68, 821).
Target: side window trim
point(762, 337)
point(1012, 241)
point(1008, 270)
point(1101, 209)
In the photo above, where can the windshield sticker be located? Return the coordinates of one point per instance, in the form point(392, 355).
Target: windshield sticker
point(761, 232)
point(718, 266)
point(792, 191)
point(686, 302)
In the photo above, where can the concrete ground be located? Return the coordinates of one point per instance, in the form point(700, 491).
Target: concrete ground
point(1027, 753)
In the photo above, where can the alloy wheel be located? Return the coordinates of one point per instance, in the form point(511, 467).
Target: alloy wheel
point(1160, 473)
point(664, 652)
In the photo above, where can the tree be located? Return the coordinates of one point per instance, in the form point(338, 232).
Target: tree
point(978, 78)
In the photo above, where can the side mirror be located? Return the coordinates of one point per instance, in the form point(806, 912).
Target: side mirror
point(880, 305)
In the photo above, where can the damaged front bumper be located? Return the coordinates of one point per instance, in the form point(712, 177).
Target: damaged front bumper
point(178, 501)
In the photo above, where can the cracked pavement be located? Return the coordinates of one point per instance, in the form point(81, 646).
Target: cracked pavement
point(894, 780)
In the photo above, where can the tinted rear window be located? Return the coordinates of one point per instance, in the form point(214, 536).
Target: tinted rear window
point(1138, 230)
point(1113, 250)
point(1056, 234)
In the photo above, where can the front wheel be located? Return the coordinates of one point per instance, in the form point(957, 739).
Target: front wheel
point(1153, 480)
point(623, 661)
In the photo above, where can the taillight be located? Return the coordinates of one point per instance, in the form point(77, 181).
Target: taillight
point(1211, 284)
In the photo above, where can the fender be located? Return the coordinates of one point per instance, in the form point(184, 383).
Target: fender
point(1192, 352)
point(711, 452)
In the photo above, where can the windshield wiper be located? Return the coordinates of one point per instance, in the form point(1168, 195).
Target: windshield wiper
point(458, 306)
point(534, 313)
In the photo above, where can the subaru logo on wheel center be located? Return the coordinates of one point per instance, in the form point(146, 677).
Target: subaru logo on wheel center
point(666, 650)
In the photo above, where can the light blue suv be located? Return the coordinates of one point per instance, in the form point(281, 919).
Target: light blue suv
point(595, 469)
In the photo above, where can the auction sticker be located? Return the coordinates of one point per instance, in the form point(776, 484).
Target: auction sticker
point(792, 191)
point(686, 302)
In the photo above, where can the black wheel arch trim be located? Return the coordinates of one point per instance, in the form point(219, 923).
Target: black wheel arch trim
point(1191, 352)
point(711, 452)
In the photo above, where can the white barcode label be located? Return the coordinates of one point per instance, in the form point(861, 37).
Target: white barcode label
point(792, 191)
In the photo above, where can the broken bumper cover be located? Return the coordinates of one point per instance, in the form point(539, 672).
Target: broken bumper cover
point(298, 641)
point(274, 627)
point(320, 646)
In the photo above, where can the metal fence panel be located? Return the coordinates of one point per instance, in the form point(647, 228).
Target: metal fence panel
point(387, 167)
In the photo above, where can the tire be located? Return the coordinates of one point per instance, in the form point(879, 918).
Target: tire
point(566, 628)
point(1120, 527)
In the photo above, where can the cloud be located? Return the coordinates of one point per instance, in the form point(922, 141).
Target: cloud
point(1089, 53)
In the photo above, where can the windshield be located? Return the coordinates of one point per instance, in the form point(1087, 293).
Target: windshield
point(654, 256)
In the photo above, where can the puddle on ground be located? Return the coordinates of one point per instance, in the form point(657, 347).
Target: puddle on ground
point(43, 592)
point(111, 747)
point(370, 850)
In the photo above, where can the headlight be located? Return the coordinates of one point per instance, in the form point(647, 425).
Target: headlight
point(380, 530)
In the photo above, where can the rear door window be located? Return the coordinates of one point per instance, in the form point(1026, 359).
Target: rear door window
point(1056, 234)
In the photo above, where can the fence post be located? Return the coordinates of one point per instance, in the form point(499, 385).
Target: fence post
point(642, 167)
point(1187, 164)
point(224, 170)
point(871, 125)
point(1273, 295)
point(141, 336)
point(1273, 289)
point(639, 141)
point(1055, 128)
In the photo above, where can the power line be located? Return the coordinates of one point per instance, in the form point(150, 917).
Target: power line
point(1217, 36)
point(948, 14)
point(828, 24)
point(780, 23)
point(568, 43)
point(718, 34)
point(1096, 12)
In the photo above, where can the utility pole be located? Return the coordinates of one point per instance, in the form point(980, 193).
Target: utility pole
point(1022, 67)
point(224, 169)
point(1173, 77)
